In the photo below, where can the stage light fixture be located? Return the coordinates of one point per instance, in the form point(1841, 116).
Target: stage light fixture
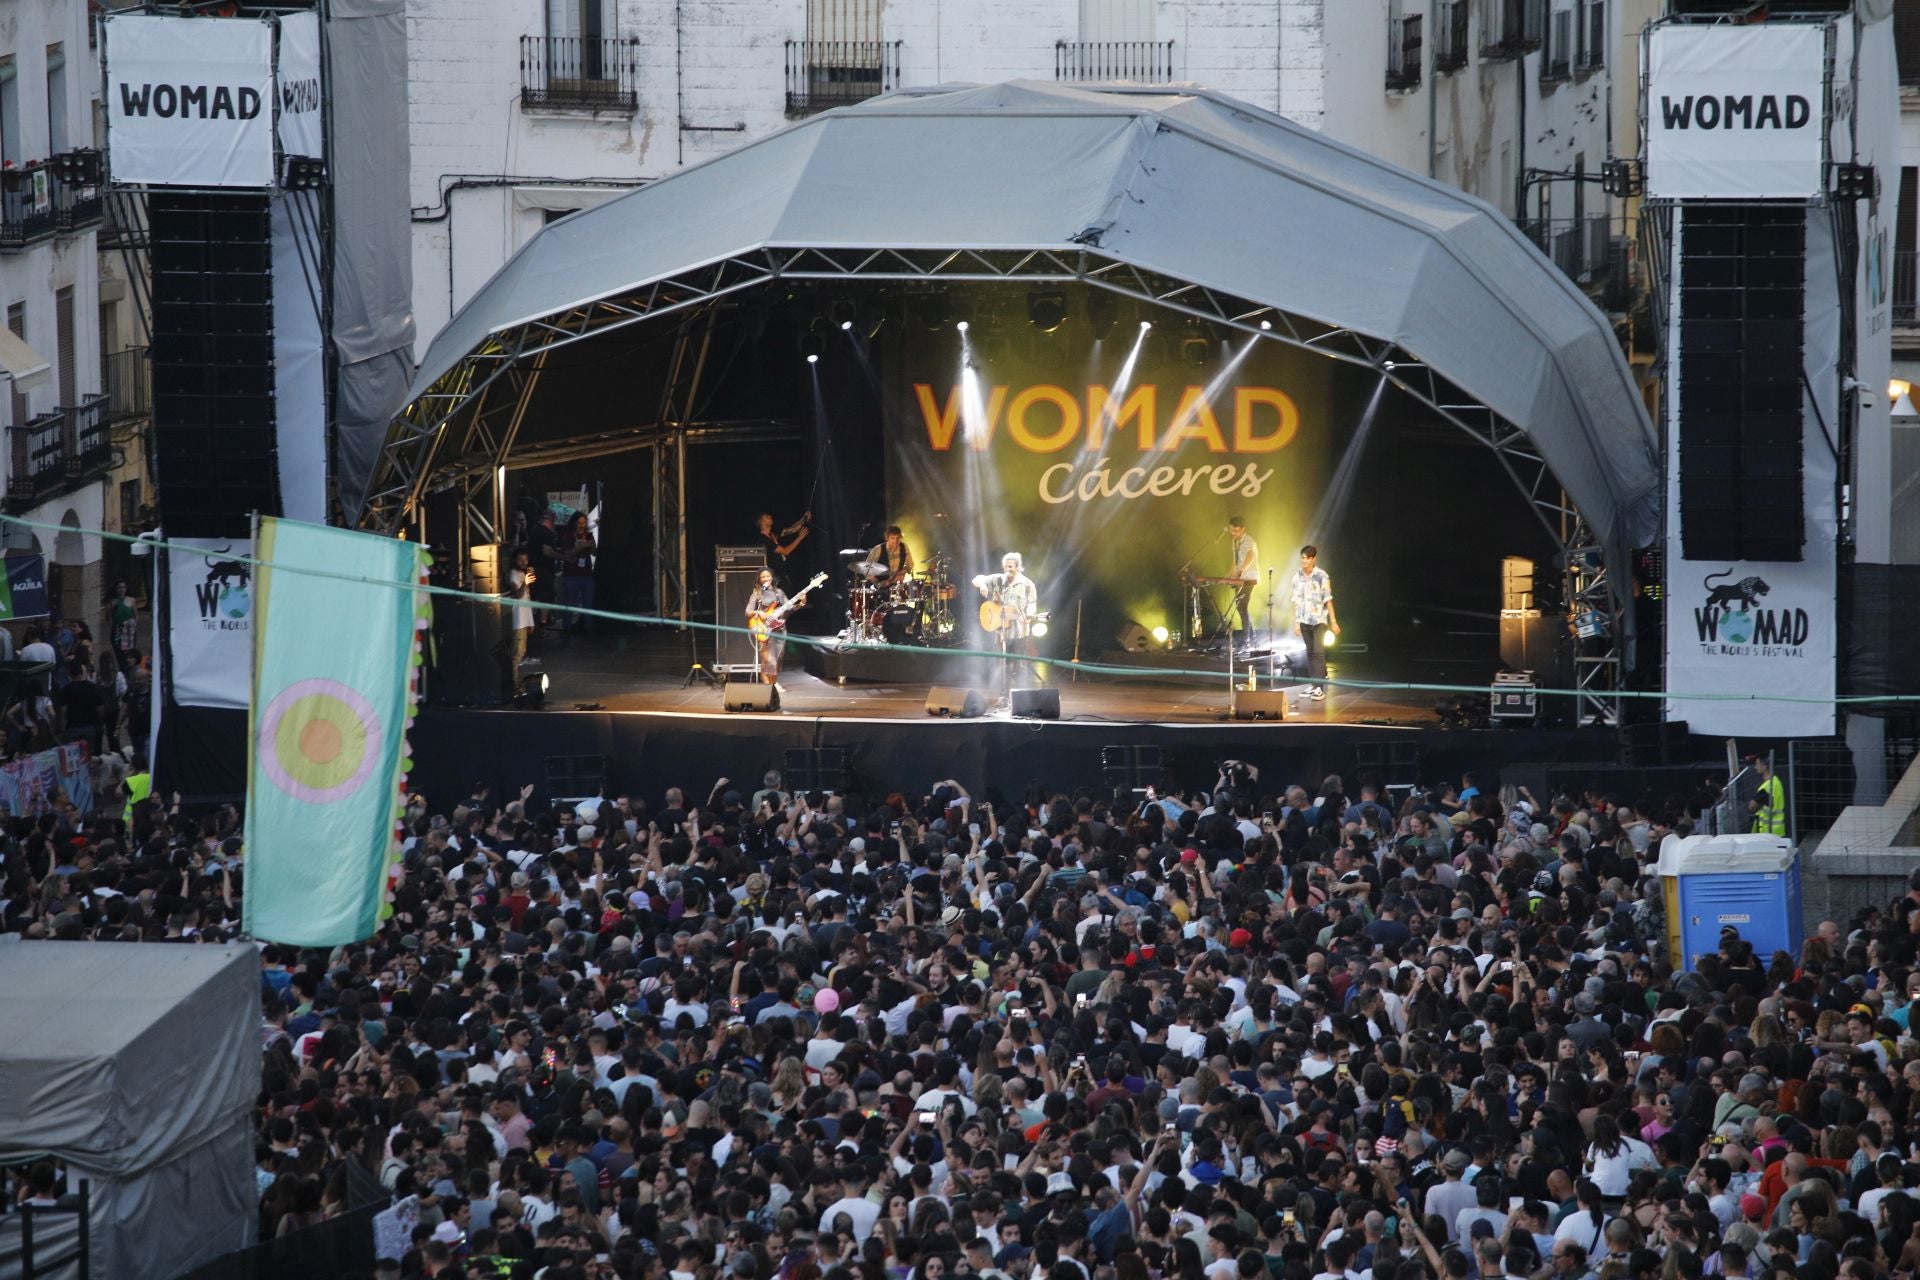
point(846, 326)
point(1046, 309)
point(1266, 324)
point(1101, 315)
point(1388, 365)
point(304, 173)
point(962, 326)
point(1160, 635)
point(1145, 325)
point(813, 357)
point(813, 343)
point(934, 314)
point(842, 312)
point(1195, 347)
point(1039, 628)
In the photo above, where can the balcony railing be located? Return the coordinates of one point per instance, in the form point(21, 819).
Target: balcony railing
point(1403, 51)
point(129, 383)
point(1509, 28)
point(1591, 251)
point(577, 73)
point(1134, 61)
point(1450, 49)
point(824, 74)
point(27, 206)
point(1906, 289)
point(58, 449)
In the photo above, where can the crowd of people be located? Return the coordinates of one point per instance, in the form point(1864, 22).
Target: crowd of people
point(1254, 1032)
point(97, 694)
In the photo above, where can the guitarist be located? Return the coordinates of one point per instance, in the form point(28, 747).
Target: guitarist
point(762, 602)
point(1019, 596)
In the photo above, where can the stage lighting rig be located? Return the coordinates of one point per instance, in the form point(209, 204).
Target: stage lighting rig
point(813, 343)
point(305, 173)
point(842, 312)
point(1102, 312)
point(1196, 346)
point(933, 313)
point(1046, 309)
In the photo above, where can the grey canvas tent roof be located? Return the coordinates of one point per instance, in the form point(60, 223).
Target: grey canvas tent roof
point(139, 1066)
point(1182, 182)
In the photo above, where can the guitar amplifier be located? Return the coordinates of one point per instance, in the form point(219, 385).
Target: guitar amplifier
point(733, 650)
point(754, 557)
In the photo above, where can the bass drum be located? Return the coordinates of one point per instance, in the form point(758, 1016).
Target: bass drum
point(900, 625)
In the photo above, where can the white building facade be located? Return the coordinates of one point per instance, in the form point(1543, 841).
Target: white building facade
point(524, 110)
point(57, 415)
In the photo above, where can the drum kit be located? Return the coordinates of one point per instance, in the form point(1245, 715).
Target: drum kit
point(916, 608)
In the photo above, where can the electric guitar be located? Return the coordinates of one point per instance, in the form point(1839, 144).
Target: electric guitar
point(764, 622)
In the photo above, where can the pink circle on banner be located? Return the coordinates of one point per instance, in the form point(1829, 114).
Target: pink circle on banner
point(318, 740)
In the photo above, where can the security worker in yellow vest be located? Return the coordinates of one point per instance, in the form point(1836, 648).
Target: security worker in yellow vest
point(1769, 804)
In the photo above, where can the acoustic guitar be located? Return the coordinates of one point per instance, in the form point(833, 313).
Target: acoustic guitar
point(997, 616)
point(762, 623)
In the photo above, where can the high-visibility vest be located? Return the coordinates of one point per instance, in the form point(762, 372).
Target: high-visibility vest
point(1770, 819)
point(139, 787)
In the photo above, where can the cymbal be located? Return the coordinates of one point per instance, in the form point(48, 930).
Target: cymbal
point(868, 568)
point(854, 553)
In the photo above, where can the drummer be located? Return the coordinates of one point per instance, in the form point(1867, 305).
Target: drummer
point(894, 555)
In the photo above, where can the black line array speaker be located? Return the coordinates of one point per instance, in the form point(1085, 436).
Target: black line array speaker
point(213, 411)
point(1742, 335)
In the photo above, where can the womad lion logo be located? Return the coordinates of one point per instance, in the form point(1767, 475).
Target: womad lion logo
point(1731, 620)
point(223, 597)
point(1745, 593)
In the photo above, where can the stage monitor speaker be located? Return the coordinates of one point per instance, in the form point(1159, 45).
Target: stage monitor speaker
point(1135, 638)
point(1036, 704)
point(1259, 704)
point(744, 695)
point(945, 701)
point(733, 650)
point(467, 670)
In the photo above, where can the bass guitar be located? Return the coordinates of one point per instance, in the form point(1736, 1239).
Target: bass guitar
point(764, 622)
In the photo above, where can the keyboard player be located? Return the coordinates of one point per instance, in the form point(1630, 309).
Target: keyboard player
point(1246, 571)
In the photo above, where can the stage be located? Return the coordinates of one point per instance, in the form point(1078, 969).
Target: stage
point(620, 712)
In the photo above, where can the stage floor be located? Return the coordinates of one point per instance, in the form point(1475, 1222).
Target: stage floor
point(649, 673)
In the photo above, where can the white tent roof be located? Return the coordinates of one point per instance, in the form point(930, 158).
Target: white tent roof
point(1180, 181)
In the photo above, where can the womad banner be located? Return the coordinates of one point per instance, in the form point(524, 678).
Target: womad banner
point(189, 101)
point(1749, 633)
point(210, 621)
point(1109, 478)
point(1737, 112)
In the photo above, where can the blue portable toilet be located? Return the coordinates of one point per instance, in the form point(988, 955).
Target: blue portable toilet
point(1751, 883)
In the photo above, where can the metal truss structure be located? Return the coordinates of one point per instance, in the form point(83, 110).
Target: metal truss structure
point(463, 429)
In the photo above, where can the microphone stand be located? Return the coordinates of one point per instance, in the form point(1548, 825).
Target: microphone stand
point(1193, 591)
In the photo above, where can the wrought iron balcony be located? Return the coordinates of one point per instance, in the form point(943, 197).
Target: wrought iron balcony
point(575, 73)
point(1593, 251)
point(1403, 51)
point(824, 74)
point(1509, 28)
point(57, 450)
point(27, 206)
point(1133, 61)
point(129, 383)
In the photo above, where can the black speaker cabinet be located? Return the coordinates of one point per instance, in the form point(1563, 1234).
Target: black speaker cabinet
point(743, 695)
point(944, 701)
point(1036, 704)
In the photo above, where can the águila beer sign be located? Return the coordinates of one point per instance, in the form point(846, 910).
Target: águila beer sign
point(1123, 442)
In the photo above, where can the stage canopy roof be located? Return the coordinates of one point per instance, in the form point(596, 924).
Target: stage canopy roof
point(1173, 181)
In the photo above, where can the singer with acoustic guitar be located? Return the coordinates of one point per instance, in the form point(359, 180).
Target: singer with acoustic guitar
point(767, 610)
point(1011, 607)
